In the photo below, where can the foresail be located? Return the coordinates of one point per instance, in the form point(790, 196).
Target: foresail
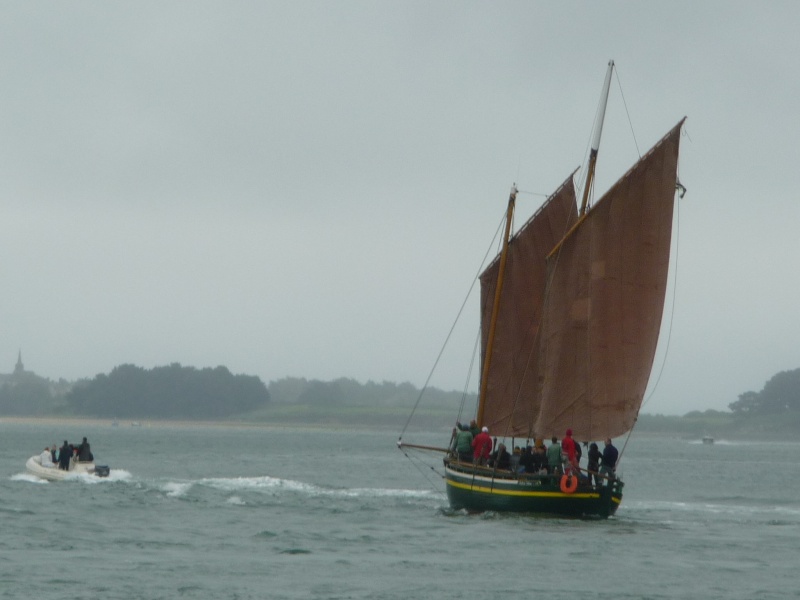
point(604, 302)
point(512, 401)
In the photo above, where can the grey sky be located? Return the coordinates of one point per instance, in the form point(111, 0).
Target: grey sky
point(308, 188)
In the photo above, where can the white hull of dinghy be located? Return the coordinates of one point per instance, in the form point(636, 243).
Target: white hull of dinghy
point(34, 467)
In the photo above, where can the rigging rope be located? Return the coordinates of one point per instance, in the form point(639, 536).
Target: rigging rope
point(625, 104)
point(450, 333)
point(418, 462)
point(464, 392)
point(672, 308)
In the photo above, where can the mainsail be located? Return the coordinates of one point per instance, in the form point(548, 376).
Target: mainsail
point(580, 307)
point(604, 302)
point(511, 404)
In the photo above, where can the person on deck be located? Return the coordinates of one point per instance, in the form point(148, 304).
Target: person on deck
point(526, 460)
point(500, 459)
point(539, 458)
point(47, 458)
point(85, 452)
point(594, 463)
point(64, 455)
point(472, 428)
point(515, 457)
point(610, 457)
point(554, 458)
point(464, 445)
point(568, 447)
point(482, 447)
point(54, 454)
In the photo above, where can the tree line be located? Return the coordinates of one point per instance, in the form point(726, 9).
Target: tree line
point(780, 395)
point(167, 392)
point(179, 392)
point(345, 391)
point(129, 391)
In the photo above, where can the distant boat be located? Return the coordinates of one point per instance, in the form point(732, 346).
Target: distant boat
point(570, 316)
point(707, 439)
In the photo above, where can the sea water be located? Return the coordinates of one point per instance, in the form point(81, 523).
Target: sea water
point(247, 512)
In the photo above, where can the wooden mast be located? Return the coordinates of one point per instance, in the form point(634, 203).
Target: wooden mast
point(496, 306)
point(601, 115)
point(598, 131)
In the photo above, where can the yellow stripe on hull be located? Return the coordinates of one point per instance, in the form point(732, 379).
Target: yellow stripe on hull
point(504, 492)
point(535, 495)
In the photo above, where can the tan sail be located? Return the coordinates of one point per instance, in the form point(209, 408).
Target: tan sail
point(511, 403)
point(571, 310)
point(603, 306)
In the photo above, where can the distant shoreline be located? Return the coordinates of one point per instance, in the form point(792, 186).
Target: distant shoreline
point(148, 423)
point(181, 423)
point(339, 418)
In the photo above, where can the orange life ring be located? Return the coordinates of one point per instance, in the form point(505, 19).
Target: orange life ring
point(569, 483)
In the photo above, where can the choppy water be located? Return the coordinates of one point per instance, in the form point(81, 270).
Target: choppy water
point(284, 513)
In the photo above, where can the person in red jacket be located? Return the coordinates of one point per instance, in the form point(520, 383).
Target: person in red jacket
point(482, 447)
point(568, 447)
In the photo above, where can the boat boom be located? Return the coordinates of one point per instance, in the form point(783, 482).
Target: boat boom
point(401, 444)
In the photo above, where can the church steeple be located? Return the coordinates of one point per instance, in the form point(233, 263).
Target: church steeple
point(19, 369)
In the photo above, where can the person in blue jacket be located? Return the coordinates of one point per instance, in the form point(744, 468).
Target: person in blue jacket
point(609, 460)
point(64, 454)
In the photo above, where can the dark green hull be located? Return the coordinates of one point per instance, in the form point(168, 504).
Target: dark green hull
point(480, 489)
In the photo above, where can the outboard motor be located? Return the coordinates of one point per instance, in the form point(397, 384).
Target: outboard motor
point(102, 470)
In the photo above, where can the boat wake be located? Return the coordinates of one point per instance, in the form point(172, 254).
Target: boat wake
point(274, 486)
point(241, 491)
point(703, 509)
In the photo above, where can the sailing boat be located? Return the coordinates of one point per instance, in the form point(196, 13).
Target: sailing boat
point(570, 315)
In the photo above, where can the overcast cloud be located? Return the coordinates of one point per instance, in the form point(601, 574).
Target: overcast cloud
point(308, 188)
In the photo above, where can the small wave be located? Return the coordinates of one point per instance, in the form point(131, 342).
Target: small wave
point(266, 534)
point(384, 493)
point(236, 501)
point(257, 483)
point(119, 475)
point(84, 478)
point(176, 489)
point(28, 478)
point(116, 475)
point(737, 510)
point(716, 442)
point(17, 512)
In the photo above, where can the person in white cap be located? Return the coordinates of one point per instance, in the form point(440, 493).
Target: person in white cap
point(482, 447)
